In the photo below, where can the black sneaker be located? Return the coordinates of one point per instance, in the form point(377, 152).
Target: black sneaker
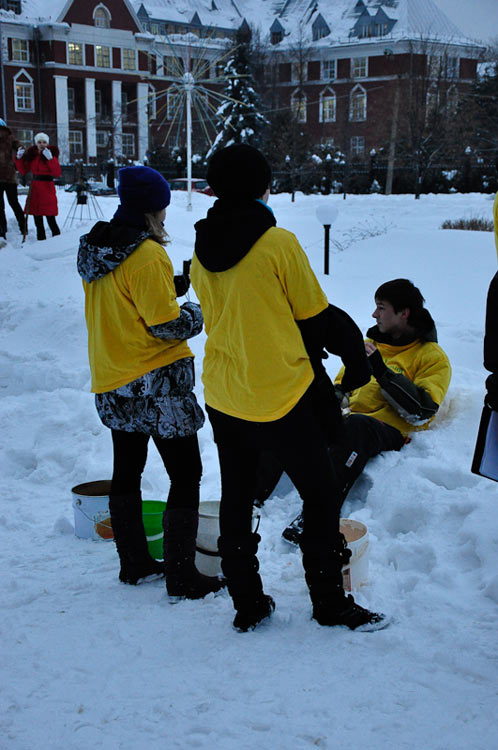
point(352, 615)
point(293, 532)
point(248, 619)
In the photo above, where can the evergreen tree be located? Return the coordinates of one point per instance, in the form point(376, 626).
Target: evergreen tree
point(238, 117)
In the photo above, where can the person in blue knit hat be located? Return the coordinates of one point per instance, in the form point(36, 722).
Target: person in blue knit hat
point(143, 377)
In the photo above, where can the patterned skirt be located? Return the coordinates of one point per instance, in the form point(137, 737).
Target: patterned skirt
point(160, 403)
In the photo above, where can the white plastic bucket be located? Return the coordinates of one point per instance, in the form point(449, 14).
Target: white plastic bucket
point(355, 574)
point(92, 519)
point(207, 559)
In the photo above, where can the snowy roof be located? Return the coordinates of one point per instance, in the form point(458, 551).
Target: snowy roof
point(223, 13)
point(406, 18)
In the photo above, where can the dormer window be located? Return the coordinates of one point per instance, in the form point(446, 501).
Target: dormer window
point(276, 37)
point(276, 32)
point(101, 17)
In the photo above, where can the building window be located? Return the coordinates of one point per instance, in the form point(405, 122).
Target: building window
point(357, 145)
point(220, 69)
point(154, 28)
point(98, 103)
point(102, 17)
point(71, 106)
point(359, 68)
point(329, 69)
point(102, 56)
point(25, 137)
point(431, 102)
point(24, 99)
point(20, 50)
point(75, 53)
point(298, 106)
point(75, 142)
point(128, 145)
point(358, 104)
point(102, 138)
point(124, 105)
point(299, 70)
point(327, 106)
point(433, 66)
point(452, 100)
point(129, 59)
point(173, 99)
point(151, 103)
point(276, 37)
point(452, 67)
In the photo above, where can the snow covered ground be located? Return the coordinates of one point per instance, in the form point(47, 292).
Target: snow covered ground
point(88, 662)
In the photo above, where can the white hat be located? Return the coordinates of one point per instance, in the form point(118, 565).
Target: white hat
point(42, 137)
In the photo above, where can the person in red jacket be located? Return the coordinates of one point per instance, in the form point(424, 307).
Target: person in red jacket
point(41, 160)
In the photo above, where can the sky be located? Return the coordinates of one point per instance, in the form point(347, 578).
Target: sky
point(477, 18)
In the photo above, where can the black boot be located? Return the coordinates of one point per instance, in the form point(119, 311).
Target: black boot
point(131, 542)
point(182, 577)
point(322, 561)
point(240, 565)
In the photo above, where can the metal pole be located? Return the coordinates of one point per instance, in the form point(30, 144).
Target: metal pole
point(326, 249)
point(189, 141)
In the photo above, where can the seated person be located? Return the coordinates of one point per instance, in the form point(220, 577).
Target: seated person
point(410, 378)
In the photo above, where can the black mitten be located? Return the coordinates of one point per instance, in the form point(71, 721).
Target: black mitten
point(182, 284)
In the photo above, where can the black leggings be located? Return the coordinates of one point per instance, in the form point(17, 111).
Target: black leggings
point(40, 229)
point(299, 443)
point(10, 190)
point(181, 459)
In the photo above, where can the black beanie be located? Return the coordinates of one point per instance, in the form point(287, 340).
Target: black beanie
point(239, 171)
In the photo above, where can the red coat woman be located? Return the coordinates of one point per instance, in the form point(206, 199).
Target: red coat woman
point(41, 160)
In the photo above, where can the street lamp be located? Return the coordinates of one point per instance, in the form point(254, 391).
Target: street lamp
point(326, 214)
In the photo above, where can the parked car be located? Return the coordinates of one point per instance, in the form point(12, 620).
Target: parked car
point(198, 185)
point(96, 188)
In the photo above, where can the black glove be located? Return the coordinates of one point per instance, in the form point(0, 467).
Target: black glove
point(491, 397)
point(377, 364)
point(182, 284)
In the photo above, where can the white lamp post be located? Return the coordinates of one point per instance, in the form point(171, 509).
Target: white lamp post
point(326, 213)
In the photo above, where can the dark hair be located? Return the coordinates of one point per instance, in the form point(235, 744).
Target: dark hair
point(401, 294)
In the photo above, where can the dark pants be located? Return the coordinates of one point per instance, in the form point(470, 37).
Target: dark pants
point(299, 444)
point(40, 229)
point(360, 439)
point(10, 190)
point(181, 459)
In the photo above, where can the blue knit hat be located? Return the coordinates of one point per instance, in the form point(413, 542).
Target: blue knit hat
point(143, 190)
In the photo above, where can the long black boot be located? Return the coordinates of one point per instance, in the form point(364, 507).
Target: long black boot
point(240, 566)
point(131, 542)
point(182, 577)
point(322, 562)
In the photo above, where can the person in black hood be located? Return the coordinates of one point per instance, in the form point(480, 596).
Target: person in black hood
point(262, 387)
point(410, 377)
point(143, 378)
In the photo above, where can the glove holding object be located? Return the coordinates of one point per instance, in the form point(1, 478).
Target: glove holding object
point(182, 284)
point(47, 153)
point(20, 152)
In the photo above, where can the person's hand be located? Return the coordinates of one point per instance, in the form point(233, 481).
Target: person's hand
point(47, 153)
point(370, 348)
point(20, 152)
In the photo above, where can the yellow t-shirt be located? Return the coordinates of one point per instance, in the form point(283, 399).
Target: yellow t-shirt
point(119, 309)
point(255, 363)
point(424, 363)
